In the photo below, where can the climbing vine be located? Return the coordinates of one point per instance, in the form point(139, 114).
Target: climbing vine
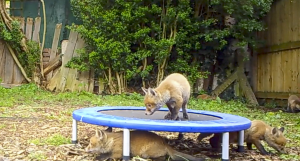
point(29, 58)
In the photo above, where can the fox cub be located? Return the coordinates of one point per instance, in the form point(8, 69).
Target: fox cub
point(174, 91)
point(258, 131)
point(142, 143)
point(293, 103)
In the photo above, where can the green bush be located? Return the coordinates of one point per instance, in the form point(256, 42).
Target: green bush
point(145, 40)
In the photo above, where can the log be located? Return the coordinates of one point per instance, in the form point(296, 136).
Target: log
point(53, 64)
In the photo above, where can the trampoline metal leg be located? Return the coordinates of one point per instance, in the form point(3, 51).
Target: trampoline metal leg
point(241, 141)
point(225, 146)
point(74, 132)
point(126, 145)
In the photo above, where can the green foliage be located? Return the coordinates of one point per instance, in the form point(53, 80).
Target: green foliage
point(14, 37)
point(136, 37)
point(56, 140)
point(37, 155)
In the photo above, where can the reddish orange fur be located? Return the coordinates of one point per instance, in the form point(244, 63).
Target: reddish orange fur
point(258, 131)
point(293, 103)
point(206, 97)
point(142, 143)
point(174, 91)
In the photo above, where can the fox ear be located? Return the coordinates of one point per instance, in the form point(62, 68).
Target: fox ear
point(281, 129)
point(152, 91)
point(145, 90)
point(100, 134)
point(274, 130)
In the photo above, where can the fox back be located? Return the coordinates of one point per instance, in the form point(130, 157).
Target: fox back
point(172, 87)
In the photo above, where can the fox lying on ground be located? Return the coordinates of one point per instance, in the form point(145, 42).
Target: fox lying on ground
point(142, 143)
point(206, 97)
point(174, 91)
point(293, 103)
point(258, 131)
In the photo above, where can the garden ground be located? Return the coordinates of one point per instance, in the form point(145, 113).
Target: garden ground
point(36, 125)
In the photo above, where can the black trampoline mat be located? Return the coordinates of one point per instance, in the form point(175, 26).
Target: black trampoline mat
point(158, 115)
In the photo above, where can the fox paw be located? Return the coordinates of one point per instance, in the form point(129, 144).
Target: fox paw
point(168, 116)
point(185, 116)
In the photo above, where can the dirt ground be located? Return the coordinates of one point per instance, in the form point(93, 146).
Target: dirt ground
point(16, 133)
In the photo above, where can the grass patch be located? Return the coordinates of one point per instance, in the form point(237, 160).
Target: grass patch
point(2, 126)
point(38, 155)
point(21, 100)
point(55, 140)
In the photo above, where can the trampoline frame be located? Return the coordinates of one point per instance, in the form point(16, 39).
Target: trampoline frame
point(95, 112)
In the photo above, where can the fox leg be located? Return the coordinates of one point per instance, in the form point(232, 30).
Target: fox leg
point(259, 146)
point(177, 107)
point(184, 113)
point(168, 116)
point(215, 141)
point(288, 107)
point(292, 108)
point(249, 146)
point(203, 135)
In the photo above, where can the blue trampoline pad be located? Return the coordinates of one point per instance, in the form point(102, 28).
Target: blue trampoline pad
point(131, 117)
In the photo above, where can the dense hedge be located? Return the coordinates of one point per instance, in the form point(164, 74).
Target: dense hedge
point(143, 40)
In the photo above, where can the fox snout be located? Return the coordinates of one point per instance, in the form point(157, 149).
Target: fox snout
point(87, 150)
point(151, 111)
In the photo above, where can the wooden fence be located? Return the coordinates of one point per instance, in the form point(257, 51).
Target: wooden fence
point(57, 76)
point(10, 73)
point(277, 64)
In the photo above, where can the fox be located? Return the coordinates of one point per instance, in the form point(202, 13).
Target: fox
point(258, 131)
point(206, 97)
point(174, 91)
point(293, 103)
point(144, 144)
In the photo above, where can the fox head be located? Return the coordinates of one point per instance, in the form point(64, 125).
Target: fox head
point(152, 101)
point(297, 104)
point(276, 139)
point(99, 143)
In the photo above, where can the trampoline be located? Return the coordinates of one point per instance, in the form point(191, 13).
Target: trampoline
point(131, 117)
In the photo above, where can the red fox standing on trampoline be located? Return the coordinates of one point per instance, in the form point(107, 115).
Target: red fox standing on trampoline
point(174, 91)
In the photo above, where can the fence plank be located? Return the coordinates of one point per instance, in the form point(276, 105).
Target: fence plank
point(2, 60)
point(29, 24)
point(294, 70)
point(279, 71)
point(57, 73)
point(54, 46)
point(74, 82)
point(286, 22)
point(297, 19)
point(66, 58)
point(268, 31)
point(276, 27)
point(18, 76)
point(287, 70)
point(298, 72)
point(273, 71)
point(263, 73)
point(271, 28)
point(36, 31)
point(22, 24)
point(9, 67)
point(269, 72)
point(91, 81)
point(259, 77)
